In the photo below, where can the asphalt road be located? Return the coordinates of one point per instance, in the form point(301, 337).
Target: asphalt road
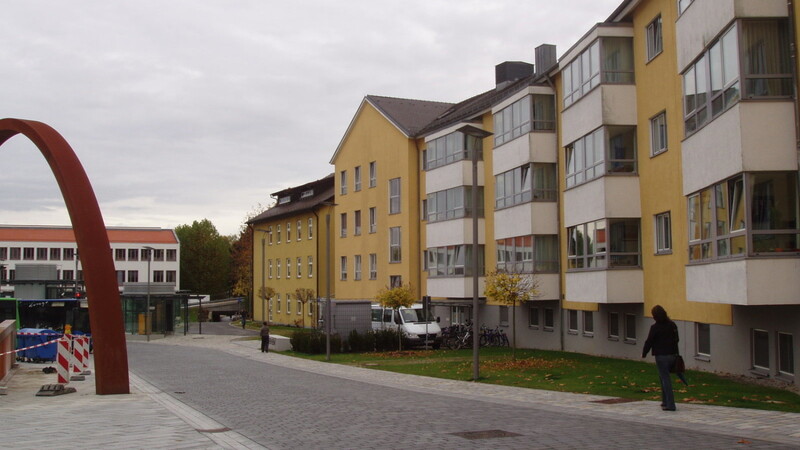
point(281, 407)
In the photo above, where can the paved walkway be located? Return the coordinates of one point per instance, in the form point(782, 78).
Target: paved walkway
point(149, 418)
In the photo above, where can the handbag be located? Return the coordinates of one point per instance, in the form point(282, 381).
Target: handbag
point(678, 366)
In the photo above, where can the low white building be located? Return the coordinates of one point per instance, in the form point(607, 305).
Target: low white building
point(131, 248)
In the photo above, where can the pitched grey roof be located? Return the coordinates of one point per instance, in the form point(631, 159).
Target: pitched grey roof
point(406, 114)
point(323, 192)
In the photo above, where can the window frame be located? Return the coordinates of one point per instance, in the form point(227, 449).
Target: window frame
point(654, 39)
point(357, 268)
point(586, 255)
point(533, 317)
point(659, 139)
point(343, 268)
point(572, 321)
point(756, 357)
point(613, 326)
point(702, 339)
point(373, 266)
point(785, 356)
point(343, 182)
point(356, 178)
point(588, 323)
point(395, 205)
point(663, 233)
point(395, 245)
point(373, 174)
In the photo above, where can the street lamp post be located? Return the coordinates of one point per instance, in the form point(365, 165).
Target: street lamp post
point(147, 310)
point(328, 286)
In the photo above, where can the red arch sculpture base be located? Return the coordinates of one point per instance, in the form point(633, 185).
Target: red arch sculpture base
point(105, 309)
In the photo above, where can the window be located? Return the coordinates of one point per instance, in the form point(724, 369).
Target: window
point(373, 220)
point(357, 223)
point(343, 182)
point(613, 325)
point(503, 315)
point(288, 303)
point(299, 307)
point(663, 234)
point(394, 196)
point(703, 331)
point(395, 281)
point(603, 243)
point(549, 319)
point(533, 317)
point(158, 254)
point(288, 268)
point(607, 60)
point(453, 261)
point(357, 267)
point(453, 147)
point(41, 254)
point(785, 353)
point(119, 254)
point(343, 268)
point(133, 276)
point(310, 266)
point(55, 254)
point(172, 255)
point(722, 224)
point(524, 184)
point(28, 253)
point(278, 298)
point(133, 254)
point(654, 41)
point(158, 276)
point(343, 225)
point(279, 234)
point(171, 276)
point(357, 179)
point(394, 245)
point(270, 268)
point(299, 228)
point(269, 234)
point(16, 253)
point(70, 275)
point(607, 150)
point(120, 277)
point(526, 254)
point(299, 267)
point(532, 112)
point(630, 327)
point(454, 203)
point(714, 82)
point(658, 134)
point(310, 227)
point(760, 343)
point(588, 323)
point(373, 266)
point(572, 321)
point(4, 253)
point(373, 175)
point(288, 232)
point(307, 193)
point(278, 268)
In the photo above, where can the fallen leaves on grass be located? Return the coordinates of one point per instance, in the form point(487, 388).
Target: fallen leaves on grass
point(528, 363)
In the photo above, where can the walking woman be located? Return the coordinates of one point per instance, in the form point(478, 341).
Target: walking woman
point(663, 340)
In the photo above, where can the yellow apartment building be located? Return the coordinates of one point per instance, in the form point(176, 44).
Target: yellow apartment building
point(377, 219)
point(289, 253)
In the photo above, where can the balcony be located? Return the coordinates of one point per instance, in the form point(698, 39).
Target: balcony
point(454, 287)
point(607, 196)
point(453, 232)
point(605, 286)
point(525, 219)
point(747, 282)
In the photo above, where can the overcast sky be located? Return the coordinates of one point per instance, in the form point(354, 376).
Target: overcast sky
point(184, 110)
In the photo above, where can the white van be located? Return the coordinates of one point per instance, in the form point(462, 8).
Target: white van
point(412, 320)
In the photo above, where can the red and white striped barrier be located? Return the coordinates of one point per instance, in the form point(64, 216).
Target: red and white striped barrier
point(28, 348)
point(63, 360)
point(77, 354)
point(38, 334)
point(85, 349)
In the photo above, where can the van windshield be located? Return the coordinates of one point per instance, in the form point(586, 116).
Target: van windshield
point(413, 315)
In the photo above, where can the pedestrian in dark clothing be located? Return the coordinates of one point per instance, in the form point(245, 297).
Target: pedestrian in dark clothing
point(265, 338)
point(244, 321)
point(663, 341)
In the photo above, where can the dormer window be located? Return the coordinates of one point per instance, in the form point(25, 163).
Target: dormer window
point(307, 193)
point(285, 199)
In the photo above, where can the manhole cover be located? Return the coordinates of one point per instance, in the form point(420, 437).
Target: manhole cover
point(614, 401)
point(215, 430)
point(486, 434)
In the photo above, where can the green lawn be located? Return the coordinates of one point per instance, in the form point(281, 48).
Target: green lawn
point(572, 372)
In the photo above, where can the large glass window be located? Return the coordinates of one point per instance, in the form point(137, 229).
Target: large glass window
point(654, 41)
point(453, 203)
point(373, 266)
point(453, 261)
point(527, 254)
point(751, 214)
point(785, 353)
point(373, 174)
point(703, 339)
point(760, 344)
point(373, 218)
point(606, 150)
point(343, 182)
point(453, 147)
point(604, 243)
point(530, 113)
point(607, 60)
point(751, 60)
point(663, 233)
point(526, 183)
point(357, 179)
point(395, 254)
point(658, 134)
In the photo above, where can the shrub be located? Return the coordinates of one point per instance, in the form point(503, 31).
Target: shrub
point(358, 342)
point(313, 342)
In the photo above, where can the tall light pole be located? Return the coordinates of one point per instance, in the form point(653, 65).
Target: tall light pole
point(328, 286)
point(147, 310)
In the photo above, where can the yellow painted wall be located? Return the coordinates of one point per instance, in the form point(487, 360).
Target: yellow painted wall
point(659, 88)
point(373, 138)
point(263, 252)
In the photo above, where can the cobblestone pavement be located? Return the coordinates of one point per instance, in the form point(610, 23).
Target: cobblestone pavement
point(284, 402)
point(203, 392)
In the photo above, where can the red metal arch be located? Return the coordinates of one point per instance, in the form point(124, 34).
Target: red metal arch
point(105, 310)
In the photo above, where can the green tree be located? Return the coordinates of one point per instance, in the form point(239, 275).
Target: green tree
point(510, 289)
point(205, 259)
point(242, 259)
point(396, 298)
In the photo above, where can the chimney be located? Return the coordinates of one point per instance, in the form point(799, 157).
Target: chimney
point(510, 71)
point(545, 58)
